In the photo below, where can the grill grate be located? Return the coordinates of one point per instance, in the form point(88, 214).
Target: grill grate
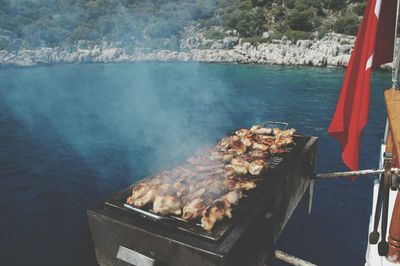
point(194, 227)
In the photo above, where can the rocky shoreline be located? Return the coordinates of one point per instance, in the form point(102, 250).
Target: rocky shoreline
point(332, 50)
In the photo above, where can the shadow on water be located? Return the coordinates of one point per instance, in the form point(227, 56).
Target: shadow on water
point(73, 134)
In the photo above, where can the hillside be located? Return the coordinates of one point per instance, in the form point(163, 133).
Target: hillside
point(162, 24)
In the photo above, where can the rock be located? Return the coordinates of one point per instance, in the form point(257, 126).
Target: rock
point(284, 40)
point(230, 42)
point(266, 34)
point(332, 50)
point(246, 46)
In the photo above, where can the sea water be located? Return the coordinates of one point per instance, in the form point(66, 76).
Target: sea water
point(71, 135)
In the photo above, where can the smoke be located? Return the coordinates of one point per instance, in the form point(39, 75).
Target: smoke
point(145, 117)
point(138, 115)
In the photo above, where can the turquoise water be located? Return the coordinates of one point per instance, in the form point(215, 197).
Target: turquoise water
point(70, 135)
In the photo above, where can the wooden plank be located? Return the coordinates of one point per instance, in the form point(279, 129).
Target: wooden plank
point(392, 99)
point(390, 148)
point(394, 233)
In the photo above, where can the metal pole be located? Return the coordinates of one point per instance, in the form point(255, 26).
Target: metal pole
point(280, 255)
point(349, 173)
point(396, 58)
point(385, 135)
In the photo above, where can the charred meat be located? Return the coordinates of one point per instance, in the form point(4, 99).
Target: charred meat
point(212, 181)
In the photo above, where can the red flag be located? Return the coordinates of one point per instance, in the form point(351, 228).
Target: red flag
point(351, 113)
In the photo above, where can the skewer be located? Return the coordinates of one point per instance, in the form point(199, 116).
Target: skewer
point(395, 171)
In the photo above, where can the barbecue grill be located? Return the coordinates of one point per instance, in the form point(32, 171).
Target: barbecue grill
point(124, 235)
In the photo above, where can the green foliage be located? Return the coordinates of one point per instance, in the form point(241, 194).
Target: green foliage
point(262, 3)
point(334, 4)
point(204, 46)
point(359, 8)
point(309, 7)
point(322, 31)
point(295, 35)
point(5, 45)
point(292, 35)
point(255, 41)
point(248, 22)
point(278, 12)
point(158, 24)
point(347, 24)
point(289, 3)
point(213, 34)
point(345, 42)
point(301, 20)
point(277, 35)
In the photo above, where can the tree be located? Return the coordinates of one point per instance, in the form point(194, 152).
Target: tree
point(300, 20)
point(347, 24)
point(334, 4)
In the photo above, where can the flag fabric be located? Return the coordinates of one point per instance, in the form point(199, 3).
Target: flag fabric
point(352, 109)
point(385, 36)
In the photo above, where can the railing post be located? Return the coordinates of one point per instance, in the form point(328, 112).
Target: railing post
point(394, 233)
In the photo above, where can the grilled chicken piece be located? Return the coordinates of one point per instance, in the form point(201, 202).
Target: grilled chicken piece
point(229, 171)
point(238, 150)
point(227, 142)
point(280, 142)
point(259, 154)
point(240, 166)
point(214, 168)
point(215, 187)
point(216, 155)
point(224, 143)
point(243, 132)
point(247, 141)
point(146, 198)
point(284, 133)
point(232, 145)
point(138, 191)
point(233, 197)
point(275, 150)
point(215, 212)
point(227, 158)
point(182, 172)
point(237, 183)
point(260, 130)
point(162, 178)
point(200, 159)
point(195, 208)
point(260, 146)
point(165, 204)
point(149, 196)
point(266, 140)
point(198, 193)
point(257, 166)
point(181, 187)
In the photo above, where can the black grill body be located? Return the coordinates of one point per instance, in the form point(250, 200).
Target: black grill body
point(122, 237)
